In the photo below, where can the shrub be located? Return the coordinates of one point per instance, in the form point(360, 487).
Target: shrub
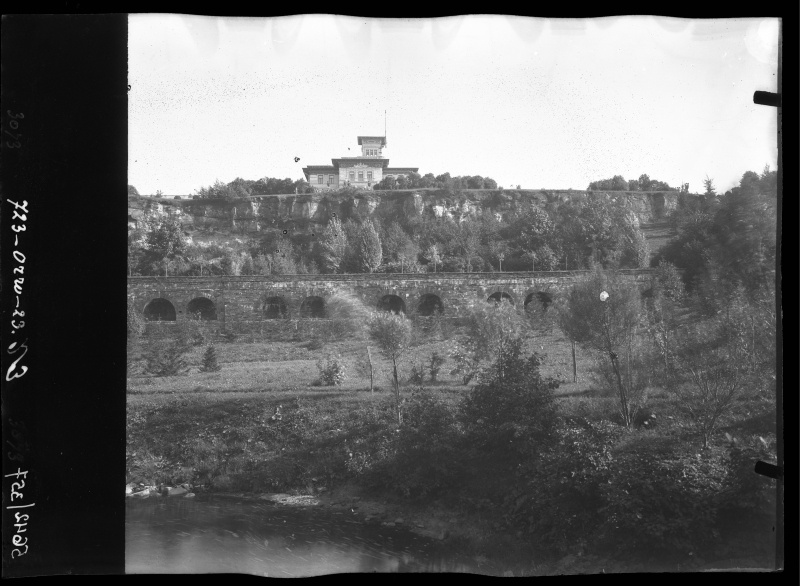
point(332, 372)
point(559, 499)
point(466, 361)
point(435, 365)
point(190, 333)
point(133, 355)
point(315, 344)
point(660, 503)
point(748, 497)
point(210, 363)
point(512, 410)
point(166, 359)
point(135, 321)
point(417, 375)
point(626, 493)
point(425, 456)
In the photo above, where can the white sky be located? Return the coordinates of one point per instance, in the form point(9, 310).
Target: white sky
point(543, 103)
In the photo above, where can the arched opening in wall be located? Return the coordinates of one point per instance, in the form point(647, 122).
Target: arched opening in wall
point(391, 303)
point(540, 298)
point(313, 307)
point(201, 308)
point(159, 310)
point(500, 297)
point(430, 304)
point(275, 308)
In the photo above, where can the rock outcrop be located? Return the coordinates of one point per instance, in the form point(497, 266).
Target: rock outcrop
point(313, 211)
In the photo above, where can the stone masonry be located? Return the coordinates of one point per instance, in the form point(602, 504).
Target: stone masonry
point(238, 301)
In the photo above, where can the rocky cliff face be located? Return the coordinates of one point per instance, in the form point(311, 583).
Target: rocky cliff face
point(313, 211)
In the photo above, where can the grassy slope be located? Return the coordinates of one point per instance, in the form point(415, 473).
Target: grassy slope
point(218, 424)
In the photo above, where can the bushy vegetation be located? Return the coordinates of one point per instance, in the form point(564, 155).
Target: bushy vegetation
point(511, 412)
point(423, 458)
point(443, 181)
point(727, 241)
point(210, 362)
point(332, 372)
point(643, 183)
point(243, 188)
point(526, 236)
point(166, 358)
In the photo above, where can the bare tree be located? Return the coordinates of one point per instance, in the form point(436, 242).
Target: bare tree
point(392, 333)
point(707, 376)
point(603, 313)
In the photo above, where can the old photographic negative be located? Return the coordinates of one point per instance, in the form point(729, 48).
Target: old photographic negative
point(482, 294)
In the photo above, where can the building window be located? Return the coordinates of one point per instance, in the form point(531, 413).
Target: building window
point(330, 179)
point(319, 179)
point(369, 175)
point(361, 175)
point(352, 175)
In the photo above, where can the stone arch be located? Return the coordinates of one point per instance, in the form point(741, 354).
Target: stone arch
point(202, 306)
point(544, 299)
point(313, 307)
point(499, 297)
point(393, 303)
point(275, 308)
point(159, 309)
point(430, 304)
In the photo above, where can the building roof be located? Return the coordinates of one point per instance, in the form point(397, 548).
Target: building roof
point(319, 169)
point(381, 138)
point(366, 161)
point(401, 170)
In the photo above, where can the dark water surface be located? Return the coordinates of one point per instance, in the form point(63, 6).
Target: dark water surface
point(216, 534)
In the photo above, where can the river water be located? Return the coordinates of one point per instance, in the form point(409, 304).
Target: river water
point(216, 534)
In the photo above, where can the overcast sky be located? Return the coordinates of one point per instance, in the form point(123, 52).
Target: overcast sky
point(543, 103)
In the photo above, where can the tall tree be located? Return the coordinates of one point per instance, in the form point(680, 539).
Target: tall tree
point(708, 184)
point(163, 243)
point(467, 242)
point(369, 252)
point(392, 334)
point(398, 246)
point(433, 256)
point(531, 232)
point(333, 246)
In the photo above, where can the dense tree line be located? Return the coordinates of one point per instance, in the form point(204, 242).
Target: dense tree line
point(572, 235)
point(241, 188)
point(443, 181)
point(643, 183)
point(731, 234)
point(726, 243)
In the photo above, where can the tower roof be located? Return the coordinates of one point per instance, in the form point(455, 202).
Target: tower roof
point(381, 138)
